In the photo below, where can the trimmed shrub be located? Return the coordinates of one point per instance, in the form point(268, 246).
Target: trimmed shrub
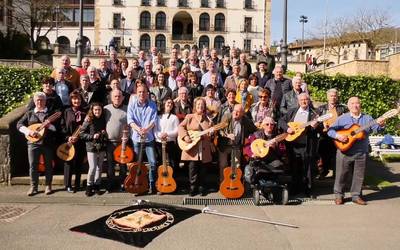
point(377, 94)
point(17, 84)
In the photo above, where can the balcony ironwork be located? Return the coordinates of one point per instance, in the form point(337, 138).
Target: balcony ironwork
point(220, 4)
point(184, 37)
point(183, 3)
point(248, 4)
point(153, 27)
point(204, 4)
point(161, 3)
point(145, 3)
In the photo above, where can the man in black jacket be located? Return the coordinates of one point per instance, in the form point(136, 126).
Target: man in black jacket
point(302, 150)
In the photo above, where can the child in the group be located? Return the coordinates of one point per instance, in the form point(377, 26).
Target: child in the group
point(94, 134)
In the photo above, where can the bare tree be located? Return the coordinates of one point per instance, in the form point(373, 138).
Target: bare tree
point(371, 27)
point(32, 16)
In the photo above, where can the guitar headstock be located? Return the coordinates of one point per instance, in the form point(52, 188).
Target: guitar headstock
point(391, 113)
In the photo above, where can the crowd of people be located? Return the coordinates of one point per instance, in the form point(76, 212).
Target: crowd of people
point(164, 100)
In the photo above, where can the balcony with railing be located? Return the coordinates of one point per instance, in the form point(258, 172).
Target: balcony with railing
point(213, 29)
point(220, 4)
point(248, 4)
point(249, 29)
point(118, 3)
point(204, 4)
point(161, 3)
point(145, 3)
point(183, 3)
point(153, 27)
point(182, 37)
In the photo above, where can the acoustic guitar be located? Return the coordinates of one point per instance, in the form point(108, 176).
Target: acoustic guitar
point(123, 153)
point(66, 151)
point(299, 127)
point(330, 121)
point(42, 164)
point(165, 182)
point(260, 147)
point(232, 187)
point(137, 182)
point(357, 132)
point(195, 136)
point(40, 128)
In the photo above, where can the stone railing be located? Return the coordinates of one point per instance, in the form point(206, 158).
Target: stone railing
point(12, 147)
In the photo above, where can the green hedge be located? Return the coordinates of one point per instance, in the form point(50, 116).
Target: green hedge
point(17, 84)
point(377, 94)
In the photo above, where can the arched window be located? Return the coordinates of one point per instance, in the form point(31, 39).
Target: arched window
point(145, 42)
point(219, 42)
point(219, 22)
point(160, 21)
point(161, 43)
point(204, 22)
point(43, 42)
point(204, 42)
point(145, 20)
point(64, 45)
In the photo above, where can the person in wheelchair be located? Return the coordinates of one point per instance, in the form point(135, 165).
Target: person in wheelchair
point(271, 164)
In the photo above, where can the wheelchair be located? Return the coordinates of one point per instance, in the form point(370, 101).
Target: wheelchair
point(268, 180)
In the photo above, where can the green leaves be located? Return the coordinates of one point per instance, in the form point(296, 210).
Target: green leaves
point(16, 84)
point(378, 94)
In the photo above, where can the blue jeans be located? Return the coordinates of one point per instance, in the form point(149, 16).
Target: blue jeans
point(149, 148)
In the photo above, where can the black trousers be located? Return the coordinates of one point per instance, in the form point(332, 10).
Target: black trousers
point(75, 166)
point(197, 174)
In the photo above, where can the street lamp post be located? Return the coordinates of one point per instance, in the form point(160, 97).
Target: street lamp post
point(284, 50)
point(303, 20)
point(79, 45)
point(56, 45)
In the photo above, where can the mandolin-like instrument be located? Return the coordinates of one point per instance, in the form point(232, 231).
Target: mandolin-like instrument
point(66, 151)
point(123, 153)
point(232, 187)
point(195, 136)
point(357, 132)
point(137, 182)
point(165, 182)
point(260, 147)
point(40, 128)
point(299, 127)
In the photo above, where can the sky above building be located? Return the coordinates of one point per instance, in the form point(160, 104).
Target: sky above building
point(316, 10)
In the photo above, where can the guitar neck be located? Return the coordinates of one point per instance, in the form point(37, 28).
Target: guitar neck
point(216, 127)
point(50, 119)
point(164, 156)
point(279, 138)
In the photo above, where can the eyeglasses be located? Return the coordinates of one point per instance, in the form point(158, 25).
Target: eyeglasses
point(263, 96)
point(269, 124)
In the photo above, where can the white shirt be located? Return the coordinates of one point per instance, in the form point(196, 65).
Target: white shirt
point(167, 125)
point(301, 115)
point(172, 83)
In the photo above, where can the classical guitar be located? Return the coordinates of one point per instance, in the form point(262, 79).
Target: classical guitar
point(260, 147)
point(137, 182)
point(232, 187)
point(357, 132)
point(165, 182)
point(299, 127)
point(66, 151)
point(123, 153)
point(40, 128)
point(195, 136)
point(330, 121)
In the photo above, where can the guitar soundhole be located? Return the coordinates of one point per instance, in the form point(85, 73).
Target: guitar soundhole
point(233, 176)
point(352, 133)
point(165, 174)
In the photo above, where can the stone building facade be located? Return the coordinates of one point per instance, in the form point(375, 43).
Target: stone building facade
point(141, 24)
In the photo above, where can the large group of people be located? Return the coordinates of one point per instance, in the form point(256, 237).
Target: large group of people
point(163, 100)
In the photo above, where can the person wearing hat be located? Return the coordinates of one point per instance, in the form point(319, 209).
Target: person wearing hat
point(262, 74)
point(268, 59)
point(53, 101)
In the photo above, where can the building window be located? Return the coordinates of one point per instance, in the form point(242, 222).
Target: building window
point(247, 45)
point(247, 24)
point(204, 4)
point(183, 3)
point(345, 57)
point(220, 4)
point(116, 20)
point(145, 42)
point(219, 42)
point(219, 22)
point(356, 54)
point(145, 2)
point(117, 2)
point(161, 43)
point(145, 20)
point(204, 22)
point(248, 4)
point(204, 42)
point(160, 21)
point(160, 2)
